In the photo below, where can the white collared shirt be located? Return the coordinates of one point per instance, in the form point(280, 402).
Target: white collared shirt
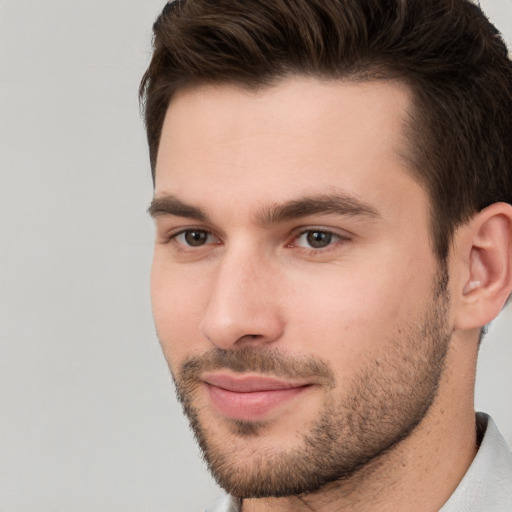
point(487, 484)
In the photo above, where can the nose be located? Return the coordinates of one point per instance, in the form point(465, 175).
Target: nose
point(243, 307)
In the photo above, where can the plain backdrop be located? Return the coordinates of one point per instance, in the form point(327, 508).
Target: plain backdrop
point(88, 418)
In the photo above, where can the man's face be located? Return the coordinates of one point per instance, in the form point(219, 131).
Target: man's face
point(295, 292)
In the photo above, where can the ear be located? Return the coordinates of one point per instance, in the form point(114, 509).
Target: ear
point(484, 257)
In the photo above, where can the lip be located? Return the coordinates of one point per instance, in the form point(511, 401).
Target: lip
point(250, 398)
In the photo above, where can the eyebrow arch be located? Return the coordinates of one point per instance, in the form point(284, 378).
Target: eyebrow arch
point(171, 205)
point(325, 204)
point(337, 204)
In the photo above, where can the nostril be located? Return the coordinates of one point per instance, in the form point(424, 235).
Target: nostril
point(249, 337)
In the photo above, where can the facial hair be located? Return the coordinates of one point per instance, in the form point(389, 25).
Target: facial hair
point(387, 398)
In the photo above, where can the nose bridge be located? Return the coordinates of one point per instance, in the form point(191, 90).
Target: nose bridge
point(242, 305)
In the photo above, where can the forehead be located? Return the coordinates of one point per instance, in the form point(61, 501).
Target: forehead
point(301, 135)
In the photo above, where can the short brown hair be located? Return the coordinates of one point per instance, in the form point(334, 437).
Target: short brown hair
point(447, 51)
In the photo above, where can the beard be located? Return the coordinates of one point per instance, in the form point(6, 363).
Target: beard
point(386, 399)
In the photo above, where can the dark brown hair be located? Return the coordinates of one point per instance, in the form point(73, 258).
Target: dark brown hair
point(451, 56)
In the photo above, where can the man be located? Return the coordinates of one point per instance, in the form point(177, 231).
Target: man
point(333, 189)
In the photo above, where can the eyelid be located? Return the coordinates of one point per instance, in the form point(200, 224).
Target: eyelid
point(167, 234)
point(339, 235)
point(183, 231)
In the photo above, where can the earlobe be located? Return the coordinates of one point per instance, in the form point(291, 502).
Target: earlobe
point(487, 282)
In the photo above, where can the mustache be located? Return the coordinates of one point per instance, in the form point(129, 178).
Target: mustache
point(250, 359)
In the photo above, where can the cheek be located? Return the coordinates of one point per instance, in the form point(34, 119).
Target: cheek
point(177, 298)
point(344, 318)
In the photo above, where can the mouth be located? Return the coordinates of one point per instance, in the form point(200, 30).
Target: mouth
point(250, 397)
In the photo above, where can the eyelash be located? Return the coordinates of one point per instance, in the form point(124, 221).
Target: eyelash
point(334, 239)
point(184, 232)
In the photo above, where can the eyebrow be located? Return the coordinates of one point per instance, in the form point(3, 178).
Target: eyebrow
point(325, 204)
point(171, 205)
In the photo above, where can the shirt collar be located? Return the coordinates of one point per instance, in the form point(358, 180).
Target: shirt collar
point(487, 484)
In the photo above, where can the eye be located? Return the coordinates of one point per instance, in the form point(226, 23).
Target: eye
point(316, 239)
point(195, 238)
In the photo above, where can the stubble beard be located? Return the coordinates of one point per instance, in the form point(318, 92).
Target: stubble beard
point(387, 399)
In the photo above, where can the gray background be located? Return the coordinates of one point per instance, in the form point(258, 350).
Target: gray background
point(88, 419)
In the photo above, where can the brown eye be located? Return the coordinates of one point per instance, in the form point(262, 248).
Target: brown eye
point(194, 237)
point(318, 239)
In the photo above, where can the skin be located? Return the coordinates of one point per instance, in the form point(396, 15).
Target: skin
point(228, 158)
